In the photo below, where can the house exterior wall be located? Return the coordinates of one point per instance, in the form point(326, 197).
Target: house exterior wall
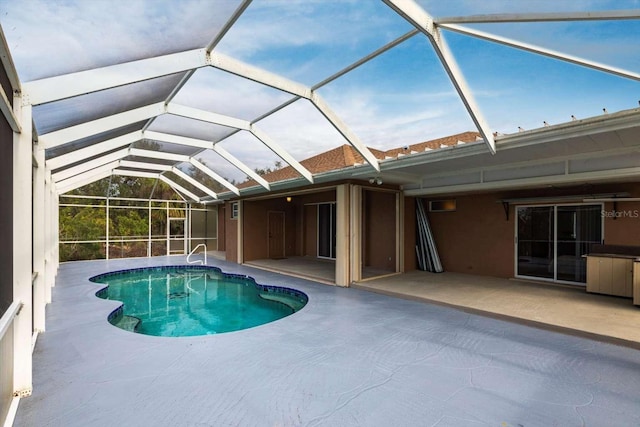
point(410, 260)
point(379, 230)
point(6, 204)
point(310, 227)
point(231, 234)
point(222, 222)
point(478, 239)
point(256, 219)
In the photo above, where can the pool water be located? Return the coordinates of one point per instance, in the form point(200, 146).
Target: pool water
point(193, 300)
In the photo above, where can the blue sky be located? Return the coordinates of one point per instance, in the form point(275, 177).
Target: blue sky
point(400, 97)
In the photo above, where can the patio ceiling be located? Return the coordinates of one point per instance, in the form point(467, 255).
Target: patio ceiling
point(197, 104)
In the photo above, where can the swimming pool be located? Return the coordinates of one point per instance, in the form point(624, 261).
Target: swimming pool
point(193, 300)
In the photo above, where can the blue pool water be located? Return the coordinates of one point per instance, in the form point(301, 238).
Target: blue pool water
point(193, 300)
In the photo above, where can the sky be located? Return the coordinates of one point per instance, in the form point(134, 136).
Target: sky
point(401, 97)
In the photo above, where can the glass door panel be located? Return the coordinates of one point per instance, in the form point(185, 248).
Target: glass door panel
point(535, 247)
point(326, 230)
point(579, 227)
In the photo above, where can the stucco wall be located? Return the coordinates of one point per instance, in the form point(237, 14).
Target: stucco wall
point(231, 235)
point(379, 230)
point(410, 260)
point(476, 238)
point(256, 216)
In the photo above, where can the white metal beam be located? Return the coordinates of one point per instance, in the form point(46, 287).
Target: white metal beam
point(214, 175)
point(83, 130)
point(7, 63)
point(146, 166)
point(600, 15)
point(139, 174)
point(542, 51)
point(281, 152)
point(199, 143)
point(97, 162)
point(176, 139)
point(93, 150)
point(227, 26)
point(421, 20)
point(74, 84)
point(206, 116)
point(193, 182)
point(226, 63)
point(138, 152)
point(84, 179)
point(238, 164)
point(344, 130)
point(7, 111)
point(179, 188)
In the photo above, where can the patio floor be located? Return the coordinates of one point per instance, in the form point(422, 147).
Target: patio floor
point(350, 357)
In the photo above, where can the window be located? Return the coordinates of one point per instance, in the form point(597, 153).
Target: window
point(442, 205)
point(234, 210)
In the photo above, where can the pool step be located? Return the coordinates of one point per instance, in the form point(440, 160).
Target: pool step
point(284, 299)
point(128, 323)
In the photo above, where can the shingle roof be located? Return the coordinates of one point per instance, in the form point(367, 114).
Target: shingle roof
point(346, 156)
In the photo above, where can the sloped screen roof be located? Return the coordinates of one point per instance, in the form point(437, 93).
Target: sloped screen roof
point(226, 87)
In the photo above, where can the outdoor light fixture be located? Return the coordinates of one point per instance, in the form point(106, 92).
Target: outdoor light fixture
point(376, 180)
point(288, 198)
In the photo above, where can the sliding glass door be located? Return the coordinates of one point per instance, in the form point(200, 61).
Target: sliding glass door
point(327, 230)
point(551, 240)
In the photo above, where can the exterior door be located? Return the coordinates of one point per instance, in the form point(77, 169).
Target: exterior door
point(327, 230)
point(276, 235)
point(176, 236)
point(551, 240)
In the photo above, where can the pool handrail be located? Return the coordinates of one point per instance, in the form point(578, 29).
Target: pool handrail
point(198, 260)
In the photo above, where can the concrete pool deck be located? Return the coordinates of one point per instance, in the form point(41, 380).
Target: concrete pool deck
point(350, 357)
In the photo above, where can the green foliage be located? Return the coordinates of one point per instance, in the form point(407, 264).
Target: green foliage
point(82, 223)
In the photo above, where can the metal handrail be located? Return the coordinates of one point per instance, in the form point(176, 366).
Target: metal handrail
point(8, 316)
point(198, 260)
